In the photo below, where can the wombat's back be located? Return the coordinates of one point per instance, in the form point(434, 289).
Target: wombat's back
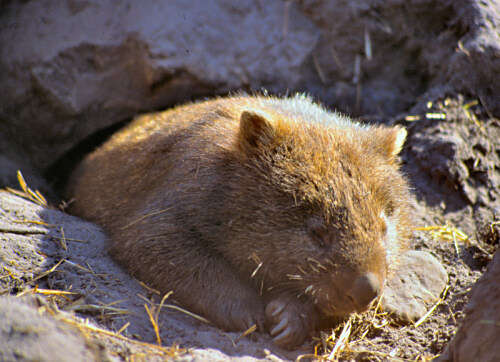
point(111, 182)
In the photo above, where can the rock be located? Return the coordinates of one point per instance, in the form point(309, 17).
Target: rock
point(478, 48)
point(70, 69)
point(28, 334)
point(26, 251)
point(415, 286)
point(455, 162)
point(478, 336)
point(377, 57)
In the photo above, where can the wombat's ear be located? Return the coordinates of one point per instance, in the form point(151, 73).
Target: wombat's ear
point(390, 141)
point(254, 130)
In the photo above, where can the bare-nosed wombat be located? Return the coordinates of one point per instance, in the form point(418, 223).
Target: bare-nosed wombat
point(252, 209)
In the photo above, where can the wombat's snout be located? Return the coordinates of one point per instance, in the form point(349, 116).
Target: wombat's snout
point(364, 290)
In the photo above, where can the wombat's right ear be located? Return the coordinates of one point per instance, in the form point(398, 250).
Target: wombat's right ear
point(255, 130)
point(388, 140)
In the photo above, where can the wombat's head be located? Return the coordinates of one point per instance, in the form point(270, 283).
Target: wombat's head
point(321, 208)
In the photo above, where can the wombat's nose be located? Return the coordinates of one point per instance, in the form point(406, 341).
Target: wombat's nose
point(365, 288)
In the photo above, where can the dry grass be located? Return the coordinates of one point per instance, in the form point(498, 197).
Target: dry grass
point(471, 115)
point(351, 339)
point(151, 349)
point(493, 225)
point(250, 330)
point(27, 192)
point(53, 300)
point(154, 314)
point(448, 233)
point(431, 310)
point(157, 212)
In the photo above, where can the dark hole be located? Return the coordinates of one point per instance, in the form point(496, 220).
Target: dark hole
point(58, 173)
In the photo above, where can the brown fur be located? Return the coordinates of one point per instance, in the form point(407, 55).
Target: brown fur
point(252, 209)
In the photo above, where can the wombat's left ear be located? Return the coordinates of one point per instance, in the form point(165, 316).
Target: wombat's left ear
point(391, 140)
point(255, 130)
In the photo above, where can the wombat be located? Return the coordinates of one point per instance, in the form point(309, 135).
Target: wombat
point(252, 209)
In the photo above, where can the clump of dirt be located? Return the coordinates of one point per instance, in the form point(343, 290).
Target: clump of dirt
point(454, 150)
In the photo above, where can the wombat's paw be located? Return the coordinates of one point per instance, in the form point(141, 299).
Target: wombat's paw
point(415, 286)
point(288, 321)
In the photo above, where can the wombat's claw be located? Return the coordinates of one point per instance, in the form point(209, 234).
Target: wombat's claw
point(275, 308)
point(286, 326)
point(279, 327)
point(285, 335)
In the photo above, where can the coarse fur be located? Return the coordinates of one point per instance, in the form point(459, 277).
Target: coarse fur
point(252, 209)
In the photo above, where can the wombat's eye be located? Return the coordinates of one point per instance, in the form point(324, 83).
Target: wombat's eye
point(389, 209)
point(317, 231)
